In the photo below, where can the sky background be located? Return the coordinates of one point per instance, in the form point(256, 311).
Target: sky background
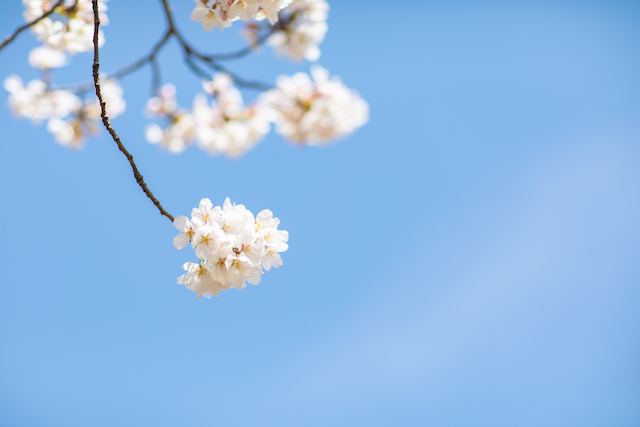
point(470, 257)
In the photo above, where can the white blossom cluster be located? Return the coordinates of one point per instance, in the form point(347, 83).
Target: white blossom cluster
point(222, 126)
point(232, 245)
point(221, 13)
point(227, 125)
point(180, 131)
point(307, 111)
point(69, 28)
point(304, 27)
point(315, 110)
point(69, 117)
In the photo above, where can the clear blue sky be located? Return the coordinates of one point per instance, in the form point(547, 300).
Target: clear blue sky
point(471, 257)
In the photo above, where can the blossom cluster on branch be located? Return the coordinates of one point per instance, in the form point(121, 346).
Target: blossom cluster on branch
point(306, 26)
point(69, 28)
point(221, 13)
point(231, 244)
point(308, 110)
point(70, 116)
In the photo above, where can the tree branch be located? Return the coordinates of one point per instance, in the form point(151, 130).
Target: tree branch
point(10, 37)
point(105, 118)
point(210, 60)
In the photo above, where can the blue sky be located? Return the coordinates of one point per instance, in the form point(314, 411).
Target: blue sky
point(469, 257)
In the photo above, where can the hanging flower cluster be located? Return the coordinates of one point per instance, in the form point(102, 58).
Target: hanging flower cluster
point(307, 111)
point(69, 28)
point(315, 110)
point(232, 245)
point(223, 126)
point(70, 117)
point(304, 27)
point(221, 13)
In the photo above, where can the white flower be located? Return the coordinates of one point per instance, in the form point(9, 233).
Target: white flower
point(226, 125)
point(233, 246)
point(304, 28)
point(206, 213)
point(34, 101)
point(67, 132)
point(70, 27)
point(210, 18)
point(206, 240)
point(199, 279)
point(315, 110)
point(187, 232)
point(45, 58)
point(163, 104)
point(180, 131)
point(37, 102)
point(221, 13)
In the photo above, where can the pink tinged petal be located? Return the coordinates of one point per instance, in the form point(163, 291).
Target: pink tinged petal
point(181, 241)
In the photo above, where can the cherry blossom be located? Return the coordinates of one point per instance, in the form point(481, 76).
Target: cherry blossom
point(219, 122)
point(304, 29)
point(221, 13)
point(70, 27)
point(233, 246)
point(316, 109)
point(70, 119)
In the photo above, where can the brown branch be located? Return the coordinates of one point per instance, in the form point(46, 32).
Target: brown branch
point(151, 57)
point(105, 118)
point(283, 23)
point(10, 37)
point(244, 51)
point(189, 52)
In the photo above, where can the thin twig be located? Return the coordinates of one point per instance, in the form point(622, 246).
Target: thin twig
point(144, 60)
point(155, 78)
point(105, 118)
point(249, 84)
point(10, 37)
point(209, 60)
point(150, 58)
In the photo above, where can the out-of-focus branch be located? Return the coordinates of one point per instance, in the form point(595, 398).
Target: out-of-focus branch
point(12, 36)
point(189, 54)
point(150, 58)
point(281, 25)
point(210, 60)
point(105, 118)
